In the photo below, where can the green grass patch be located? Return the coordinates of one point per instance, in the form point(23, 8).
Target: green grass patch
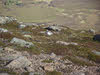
point(94, 57)
point(10, 26)
point(47, 61)
point(9, 71)
point(53, 73)
point(31, 50)
point(2, 44)
point(77, 61)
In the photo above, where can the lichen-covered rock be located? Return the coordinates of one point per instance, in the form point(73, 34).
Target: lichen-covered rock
point(21, 42)
point(20, 62)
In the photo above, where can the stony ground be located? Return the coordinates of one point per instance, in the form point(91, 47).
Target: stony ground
point(42, 49)
point(49, 37)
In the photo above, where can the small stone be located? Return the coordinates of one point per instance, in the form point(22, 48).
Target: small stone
point(63, 66)
point(92, 31)
point(67, 61)
point(48, 68)
point(8, 49)
point(83, 32)
point(49, 33)
point(57, 63)
point(29, 69)
point(28, 36)
point(52, 55)
point(73, 43)
point(22, 26)
point(3, 30)
point(62, 42)
point(66, 43)
point(96, 52)
point(54, 28)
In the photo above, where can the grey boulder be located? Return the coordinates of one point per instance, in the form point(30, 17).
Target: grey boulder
point(21, 62)
point(21, 42)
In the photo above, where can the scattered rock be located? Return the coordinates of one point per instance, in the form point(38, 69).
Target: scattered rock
point(3, 30)
point(20, 62)
point(66, 43)
point(8, 49)
point(83, 32)
point(96, 52)
point(21, 26)
point(29, 69)
point(49, 33)
point(4, 20)
point(72, 43)
point(28, 36)
point(92, 31)
point(52, 55)
point(48, 68)
point(62, 66)
point(21, 42)
point(54, 28)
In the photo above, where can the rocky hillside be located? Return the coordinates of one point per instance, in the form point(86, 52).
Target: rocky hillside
point(46, 49)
